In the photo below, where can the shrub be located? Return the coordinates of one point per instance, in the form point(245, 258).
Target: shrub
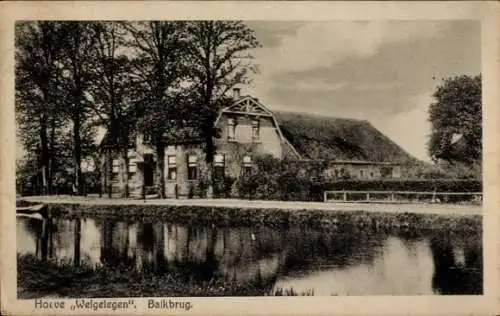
point(274, 179)
point(440, 185)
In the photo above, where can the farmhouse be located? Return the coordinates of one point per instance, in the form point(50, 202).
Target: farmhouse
point(350, 148)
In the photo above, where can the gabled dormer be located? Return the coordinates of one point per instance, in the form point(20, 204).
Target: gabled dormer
point(248, 122)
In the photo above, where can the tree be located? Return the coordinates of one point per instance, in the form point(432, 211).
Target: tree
point(456, 119)
point(113, 92)
point(158, 48)
point(217, 60)
point(38, 51)
point(77, 67)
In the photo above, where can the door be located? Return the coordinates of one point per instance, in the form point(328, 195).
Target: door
point(149, 169)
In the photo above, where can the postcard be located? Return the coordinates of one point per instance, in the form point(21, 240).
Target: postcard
point(253, 158)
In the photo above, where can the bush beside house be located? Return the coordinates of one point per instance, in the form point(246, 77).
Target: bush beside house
point(273, 179)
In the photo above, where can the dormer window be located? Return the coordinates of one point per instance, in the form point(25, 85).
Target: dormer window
point(231, 127)
point(255, 131)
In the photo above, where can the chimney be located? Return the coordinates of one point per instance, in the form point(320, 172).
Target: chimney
point(236, 93)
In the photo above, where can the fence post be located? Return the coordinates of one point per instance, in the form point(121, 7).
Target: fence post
point(367, 196)
point(345, 196)
point(324, 196)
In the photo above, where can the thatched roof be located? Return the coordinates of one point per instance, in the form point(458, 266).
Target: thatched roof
point(184, 135)
point(110, 141)
point(330, 138)
point(181, 135)
point(317, 138)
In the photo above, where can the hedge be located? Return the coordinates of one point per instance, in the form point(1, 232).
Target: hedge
point(439, 185)
point(275, 180)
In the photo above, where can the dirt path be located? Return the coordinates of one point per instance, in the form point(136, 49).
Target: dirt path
point(444, 209)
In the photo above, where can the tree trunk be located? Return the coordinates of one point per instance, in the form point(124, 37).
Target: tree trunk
point(44, 159)
point(160, 169)
point(52, 161)
point(102, 175)
point(109, 173)
point(143, 188)
point(210, 161)
point(126, 191)
point(210, 176)
point(77, 155)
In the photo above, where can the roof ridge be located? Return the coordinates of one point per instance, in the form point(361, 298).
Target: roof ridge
point(317, 115)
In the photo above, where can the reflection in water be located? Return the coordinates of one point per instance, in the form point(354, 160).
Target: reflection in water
point(458, 265)
point(347, 261)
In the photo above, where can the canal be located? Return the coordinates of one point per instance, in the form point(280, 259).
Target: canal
point(346, 260)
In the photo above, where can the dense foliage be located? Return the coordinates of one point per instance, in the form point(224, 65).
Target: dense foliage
point(456, 118)
point(75, 77)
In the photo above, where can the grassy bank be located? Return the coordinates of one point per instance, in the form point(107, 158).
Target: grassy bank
point(228, 216)
point(37, 279)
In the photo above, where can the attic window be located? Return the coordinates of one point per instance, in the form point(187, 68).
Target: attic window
point(231, 127)
point(255, 131)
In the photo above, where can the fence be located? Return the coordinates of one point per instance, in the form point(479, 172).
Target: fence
point(402, 197)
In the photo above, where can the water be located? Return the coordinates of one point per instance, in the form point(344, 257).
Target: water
point(349, 261)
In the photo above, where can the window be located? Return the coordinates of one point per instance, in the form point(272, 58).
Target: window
point(146, 138)
point(172, 168)
point(116, 165)
point(192, 167)
point(219, 171)
point(255, 131)
point(247, 165)
point(116, 169)
point(371, 174)
point(396, 172)
point(132, 167)
point(337, 173)
point(231, 127)
point(361, 173)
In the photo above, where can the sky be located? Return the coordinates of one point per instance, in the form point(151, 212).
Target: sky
point(381, 71)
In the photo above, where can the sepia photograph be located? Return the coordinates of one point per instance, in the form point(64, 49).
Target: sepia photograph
point(175, 158)
point(126, 118)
